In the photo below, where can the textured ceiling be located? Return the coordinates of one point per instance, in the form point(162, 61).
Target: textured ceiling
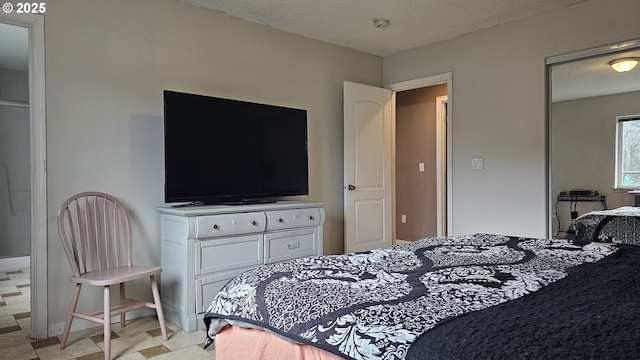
point(349, 23)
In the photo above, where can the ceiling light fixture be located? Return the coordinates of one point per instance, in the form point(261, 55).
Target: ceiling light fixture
point(625, 64)
point(381, 23)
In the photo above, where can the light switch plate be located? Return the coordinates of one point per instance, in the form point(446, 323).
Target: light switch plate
point(477, 164)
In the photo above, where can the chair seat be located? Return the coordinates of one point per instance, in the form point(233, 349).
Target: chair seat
point(115, 275)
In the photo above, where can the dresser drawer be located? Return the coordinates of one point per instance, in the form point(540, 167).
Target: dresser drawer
point(227, 254)
point(229, 224)
point(207, 288)
point(287, 245)
point(287, 219)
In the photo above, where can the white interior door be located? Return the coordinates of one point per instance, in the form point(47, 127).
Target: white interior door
point(368, 167)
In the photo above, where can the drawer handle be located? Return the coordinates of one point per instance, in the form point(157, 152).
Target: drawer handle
point(311, 217)
point(293, 245)
point(281, 220)
point(215, 227)
point(254, 223)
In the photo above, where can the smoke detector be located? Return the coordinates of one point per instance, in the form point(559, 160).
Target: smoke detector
point(381, 23)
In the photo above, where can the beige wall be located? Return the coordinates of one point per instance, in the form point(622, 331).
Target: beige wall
point(416, 143)
point(583, 150)
point(499, 108)
point(107, 63)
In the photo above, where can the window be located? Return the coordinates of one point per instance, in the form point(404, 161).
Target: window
point(628, 152)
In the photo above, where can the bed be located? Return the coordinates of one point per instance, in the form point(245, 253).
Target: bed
point(475, 296)
point(621, 225)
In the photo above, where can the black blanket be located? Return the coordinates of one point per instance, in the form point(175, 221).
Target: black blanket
point(593, 313)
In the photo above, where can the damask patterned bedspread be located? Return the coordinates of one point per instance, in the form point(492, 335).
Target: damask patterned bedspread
point(376, 304)
point(621, 225)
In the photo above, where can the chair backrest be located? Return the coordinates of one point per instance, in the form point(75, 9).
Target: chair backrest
point(95, 231)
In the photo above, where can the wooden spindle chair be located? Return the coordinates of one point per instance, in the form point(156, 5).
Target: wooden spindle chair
point(95, 231)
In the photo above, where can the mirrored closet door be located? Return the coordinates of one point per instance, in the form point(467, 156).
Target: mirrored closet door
point(587, 99)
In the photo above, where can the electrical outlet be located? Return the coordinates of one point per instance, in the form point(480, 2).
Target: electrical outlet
point(403, 218)
point(421, 167)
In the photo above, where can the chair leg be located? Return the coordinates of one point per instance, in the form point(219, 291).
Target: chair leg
point(72, 309)
point(156, 300)
point(107, 322)
point(122, 299)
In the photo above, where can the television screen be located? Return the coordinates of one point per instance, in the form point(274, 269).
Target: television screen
point(229, 151)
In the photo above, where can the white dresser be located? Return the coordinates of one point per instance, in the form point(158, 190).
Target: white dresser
point(203, 247)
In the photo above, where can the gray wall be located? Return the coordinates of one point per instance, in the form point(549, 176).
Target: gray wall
point(583, 150)
point(15, 180)
point(107, 63)
point(498, 107)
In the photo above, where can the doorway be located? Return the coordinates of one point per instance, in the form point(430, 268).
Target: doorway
point(14, 148)
point(37, 164)
point(419, 162)
point(369, 162)
point(423, 158)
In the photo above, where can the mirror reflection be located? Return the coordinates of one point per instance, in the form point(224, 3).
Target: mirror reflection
point(588, 100)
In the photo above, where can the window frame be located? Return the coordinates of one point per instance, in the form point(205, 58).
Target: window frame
point(619, 153)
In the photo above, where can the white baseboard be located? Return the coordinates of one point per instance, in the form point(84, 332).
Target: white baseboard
point(14, 263)
point(398, 241)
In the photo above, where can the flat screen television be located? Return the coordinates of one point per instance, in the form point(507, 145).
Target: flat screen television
point(228, 151)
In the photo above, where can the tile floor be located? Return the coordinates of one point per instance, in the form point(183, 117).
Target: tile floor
point(140, 339)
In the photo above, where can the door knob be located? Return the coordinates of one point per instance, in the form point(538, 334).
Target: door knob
point(351, 187)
